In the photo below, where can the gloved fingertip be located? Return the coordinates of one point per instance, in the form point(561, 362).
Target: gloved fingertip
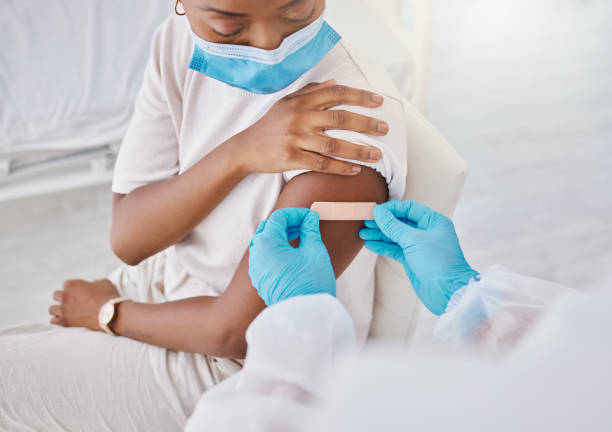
point(371, 234)
point(312, 217)
point(262, 226)
point(368, 245)
point(388, 205)
point(370, 224)
point(383, 217)
point(381, 211)
point(375, 247)
point(310, 222)
point(286, 217)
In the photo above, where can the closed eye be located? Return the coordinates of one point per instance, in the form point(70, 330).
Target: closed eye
point(227, 35)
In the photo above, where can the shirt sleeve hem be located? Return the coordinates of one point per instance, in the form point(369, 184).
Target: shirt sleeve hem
point(124, 187)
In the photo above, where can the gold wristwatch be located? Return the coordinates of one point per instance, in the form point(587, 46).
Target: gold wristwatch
point(108, 312)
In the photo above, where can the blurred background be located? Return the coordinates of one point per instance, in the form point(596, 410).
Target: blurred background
point(521, 88)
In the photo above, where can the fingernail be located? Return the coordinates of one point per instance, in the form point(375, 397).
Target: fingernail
point(355, 169)
point(376, 98)
point(374, 154)
point(382, 127)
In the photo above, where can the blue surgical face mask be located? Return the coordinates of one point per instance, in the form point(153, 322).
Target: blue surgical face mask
point(265, 71)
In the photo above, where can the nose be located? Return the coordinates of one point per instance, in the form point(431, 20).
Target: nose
point(264, 37)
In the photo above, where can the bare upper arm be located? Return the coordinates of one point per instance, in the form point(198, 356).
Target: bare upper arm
point(340, 237)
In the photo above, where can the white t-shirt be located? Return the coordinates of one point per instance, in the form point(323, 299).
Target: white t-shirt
point(181, 115)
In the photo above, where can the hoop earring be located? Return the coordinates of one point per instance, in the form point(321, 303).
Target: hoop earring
point(176, 11)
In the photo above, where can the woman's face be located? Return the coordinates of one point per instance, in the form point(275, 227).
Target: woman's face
point(257, 23)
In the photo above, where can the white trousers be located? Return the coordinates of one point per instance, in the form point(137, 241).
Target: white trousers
point(73, 379)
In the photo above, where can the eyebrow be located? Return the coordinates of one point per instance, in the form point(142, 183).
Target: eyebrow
point(237, 14)
point(290, 4)
point(222, 12)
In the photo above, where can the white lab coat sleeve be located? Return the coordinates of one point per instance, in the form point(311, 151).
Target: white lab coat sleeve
point(495, 311)
point(557, 379)
point(293, 349)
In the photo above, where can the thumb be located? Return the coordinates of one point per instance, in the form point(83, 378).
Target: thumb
point(309, 231)
point(393, 228)
point(261, 226)
point(282, 222)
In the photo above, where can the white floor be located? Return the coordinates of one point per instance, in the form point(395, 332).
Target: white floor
point(48, 239)
point(522, 88)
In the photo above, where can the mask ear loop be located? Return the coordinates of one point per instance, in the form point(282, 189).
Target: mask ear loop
point(176, 11)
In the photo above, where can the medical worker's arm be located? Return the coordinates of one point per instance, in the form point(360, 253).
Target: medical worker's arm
point(494, 309)
point(425, 243)
point(217, 325)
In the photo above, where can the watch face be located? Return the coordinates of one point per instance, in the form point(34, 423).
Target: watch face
point(106, 313)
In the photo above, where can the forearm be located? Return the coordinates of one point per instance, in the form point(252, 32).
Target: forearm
point(190, 325)
point(206, 325)
point(156, 216)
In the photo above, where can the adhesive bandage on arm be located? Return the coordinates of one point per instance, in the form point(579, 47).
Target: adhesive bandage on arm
point(344, 210)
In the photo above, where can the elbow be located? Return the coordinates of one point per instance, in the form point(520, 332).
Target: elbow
point(121, 239)
point(234, 344)
point(237, 349)
point(122, 249)
point(231, 343)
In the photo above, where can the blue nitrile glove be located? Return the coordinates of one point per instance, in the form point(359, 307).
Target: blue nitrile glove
point(426, 244)
point(278, 270)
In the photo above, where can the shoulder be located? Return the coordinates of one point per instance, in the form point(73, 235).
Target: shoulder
point(172, 47)
point(349, 66)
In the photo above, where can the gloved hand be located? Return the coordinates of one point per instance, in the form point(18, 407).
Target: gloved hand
point(278, 270)
point(426, 244)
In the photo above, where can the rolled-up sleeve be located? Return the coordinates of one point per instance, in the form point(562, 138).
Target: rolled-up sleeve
point(393, 163)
